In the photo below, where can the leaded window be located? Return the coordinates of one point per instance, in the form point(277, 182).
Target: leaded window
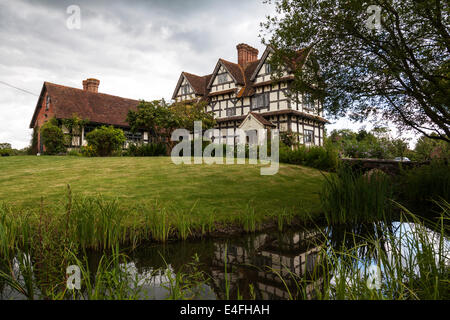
point(308, 136)
point(133, 136)
point(185, 89)
point(222, 78)
point(231, 111)
point(261, 101)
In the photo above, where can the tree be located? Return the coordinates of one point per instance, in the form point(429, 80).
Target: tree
point(161, 119)
point(426, 148)
point(52, 137)
point(105, 140)
point(397, 69)
point(368, 144)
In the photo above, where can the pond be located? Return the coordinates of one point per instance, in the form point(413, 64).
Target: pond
point(287, 265)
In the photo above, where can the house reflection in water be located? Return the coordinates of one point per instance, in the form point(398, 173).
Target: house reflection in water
point(256, 262)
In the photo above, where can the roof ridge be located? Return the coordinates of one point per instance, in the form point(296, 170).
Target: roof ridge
point(192, 74)
point(73, 88)
point(229, 62)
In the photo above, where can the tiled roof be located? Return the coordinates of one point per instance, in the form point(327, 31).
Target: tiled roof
point(235, 70)
point(198, 83)
point(242, 75)
point(262, 120)
point(96, 107)
point(249, 88)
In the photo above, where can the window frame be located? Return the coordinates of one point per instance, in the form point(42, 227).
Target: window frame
point(265, 101)
point(308, 134)
point(230, 112)
point(47, 102)
point(185, 89)
point(222, 78)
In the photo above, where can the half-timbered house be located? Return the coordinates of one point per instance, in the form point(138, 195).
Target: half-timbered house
point(244, 95)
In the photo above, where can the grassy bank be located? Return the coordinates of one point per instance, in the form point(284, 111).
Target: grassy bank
point(221, 189)
point(130, 200)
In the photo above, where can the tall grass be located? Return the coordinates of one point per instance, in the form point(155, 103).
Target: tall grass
point(348, 196)
point(249, 219)
point(160, 226)
point(414, 263)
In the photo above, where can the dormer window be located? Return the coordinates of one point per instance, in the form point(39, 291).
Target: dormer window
point(222, 78)
point(47, 103)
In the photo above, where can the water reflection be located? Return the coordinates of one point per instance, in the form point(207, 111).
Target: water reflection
point(259, 266)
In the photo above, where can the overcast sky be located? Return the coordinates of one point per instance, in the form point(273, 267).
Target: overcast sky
point(137, 49)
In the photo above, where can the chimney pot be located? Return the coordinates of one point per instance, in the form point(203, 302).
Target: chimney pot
point(91, 85)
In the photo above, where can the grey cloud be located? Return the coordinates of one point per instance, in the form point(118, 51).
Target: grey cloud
point(136, 48)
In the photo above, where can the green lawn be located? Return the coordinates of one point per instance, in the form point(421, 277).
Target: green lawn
point(218, 188)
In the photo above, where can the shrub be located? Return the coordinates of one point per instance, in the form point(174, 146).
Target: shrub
point(316, 157)
point(147, 150)
point(53, 138)
point(6, 152)
point(74, 153)
point(105, 140)
point(420, 186)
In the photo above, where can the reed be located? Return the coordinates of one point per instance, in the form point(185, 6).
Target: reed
point(413, 262)
point(160, 225)
point(350, 197)
point(284, 217)
point(248, 219)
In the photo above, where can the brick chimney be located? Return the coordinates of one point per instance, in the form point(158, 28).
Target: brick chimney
point(246, 54)
point(91, 85)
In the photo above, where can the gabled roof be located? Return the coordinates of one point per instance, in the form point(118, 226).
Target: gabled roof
point(296, 62)
point(95, 107)
point(261, 119)
point(197, 83)
point(241, 75)
point(233, 69)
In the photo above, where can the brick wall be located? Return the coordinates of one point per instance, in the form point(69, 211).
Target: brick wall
point(43, 116)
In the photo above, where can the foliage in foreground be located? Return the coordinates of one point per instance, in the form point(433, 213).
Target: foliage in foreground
point(413, 263)
point(349, 196)
point(412, 257)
